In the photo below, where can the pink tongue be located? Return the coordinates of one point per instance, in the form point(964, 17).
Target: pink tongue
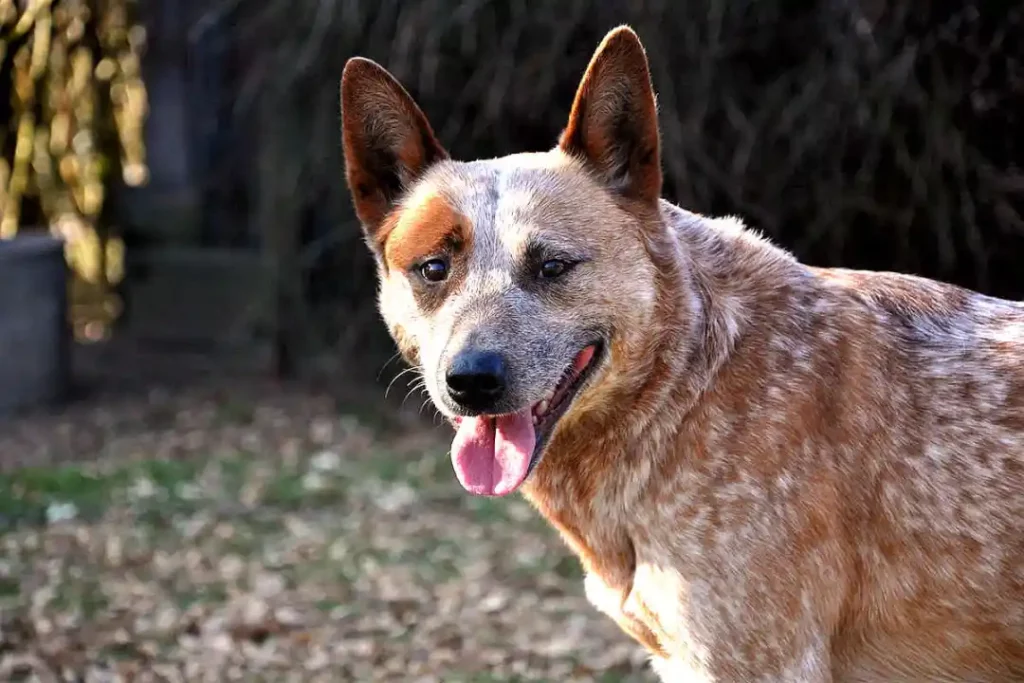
point(492, 455)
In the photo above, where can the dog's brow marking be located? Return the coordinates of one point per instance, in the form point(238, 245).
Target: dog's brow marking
point(421, 228)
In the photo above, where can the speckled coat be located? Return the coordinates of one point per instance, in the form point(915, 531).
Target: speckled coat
point(779, 472)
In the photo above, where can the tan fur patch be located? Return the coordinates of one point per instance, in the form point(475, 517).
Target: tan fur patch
point(425, 227)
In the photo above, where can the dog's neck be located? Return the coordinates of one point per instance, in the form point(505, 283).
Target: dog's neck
point(713, 278)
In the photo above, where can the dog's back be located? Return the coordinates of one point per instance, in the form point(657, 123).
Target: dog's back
point(938, 582)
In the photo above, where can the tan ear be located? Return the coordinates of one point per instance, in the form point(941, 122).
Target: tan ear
point(613, 125)
point(387, 140)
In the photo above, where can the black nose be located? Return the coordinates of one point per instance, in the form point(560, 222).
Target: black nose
point(476, 379)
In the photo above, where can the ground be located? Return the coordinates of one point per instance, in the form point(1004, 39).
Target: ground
point(265, 535)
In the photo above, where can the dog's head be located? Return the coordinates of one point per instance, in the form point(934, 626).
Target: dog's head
point(519, 285)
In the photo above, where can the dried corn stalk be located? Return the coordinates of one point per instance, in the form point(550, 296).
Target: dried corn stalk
point(75, 110)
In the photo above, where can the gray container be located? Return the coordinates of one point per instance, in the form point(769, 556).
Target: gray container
point(35, 337)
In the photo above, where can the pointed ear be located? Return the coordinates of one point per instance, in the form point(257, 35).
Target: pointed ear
point(613, 125)
point(388, 142)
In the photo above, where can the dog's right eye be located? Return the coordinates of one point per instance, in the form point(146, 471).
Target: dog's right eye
point(554, 268)
point(434, 270)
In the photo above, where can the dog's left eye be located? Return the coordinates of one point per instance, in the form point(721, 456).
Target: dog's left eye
point(434, 270)
point(554, 268)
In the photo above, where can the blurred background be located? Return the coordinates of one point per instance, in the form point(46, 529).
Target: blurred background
point(222, 304)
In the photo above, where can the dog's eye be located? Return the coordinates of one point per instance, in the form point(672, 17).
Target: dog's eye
point(549, 270)
point(434, 270)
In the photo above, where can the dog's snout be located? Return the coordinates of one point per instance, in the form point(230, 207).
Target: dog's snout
point(476, 379)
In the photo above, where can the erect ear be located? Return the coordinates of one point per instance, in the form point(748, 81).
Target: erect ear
point(613, 125)
point(387, 140)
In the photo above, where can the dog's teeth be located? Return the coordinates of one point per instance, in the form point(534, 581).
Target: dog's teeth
point(542, 407)
point(535, 419)
point(548, 396)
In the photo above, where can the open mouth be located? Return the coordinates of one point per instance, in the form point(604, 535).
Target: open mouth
point(494, 454)
point(548, 411)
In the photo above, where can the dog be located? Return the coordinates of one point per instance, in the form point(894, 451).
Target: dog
point(769, 471)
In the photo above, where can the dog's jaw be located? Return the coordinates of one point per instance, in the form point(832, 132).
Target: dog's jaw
point(493, 455)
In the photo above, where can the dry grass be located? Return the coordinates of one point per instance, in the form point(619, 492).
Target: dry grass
point(293, 544)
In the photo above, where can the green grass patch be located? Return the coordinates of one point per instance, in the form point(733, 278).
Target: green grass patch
point(234, 472)
point(33, 495)
point(9, 587)
point(387, 466)
point(236, 411)
point(168, 475)
point(83, 595)
point(286, 491)
point(486, 510)
point(27, 494)
point(214, 593)
point(328, 605)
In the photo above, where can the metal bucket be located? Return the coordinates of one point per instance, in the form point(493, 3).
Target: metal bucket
point(35, 337)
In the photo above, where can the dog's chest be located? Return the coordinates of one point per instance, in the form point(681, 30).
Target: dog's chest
point(655, 608)
point(655, 599)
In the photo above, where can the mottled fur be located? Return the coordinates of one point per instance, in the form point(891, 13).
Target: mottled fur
point(779, 472)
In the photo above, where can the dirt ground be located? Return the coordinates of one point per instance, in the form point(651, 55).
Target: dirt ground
point(251, 531)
